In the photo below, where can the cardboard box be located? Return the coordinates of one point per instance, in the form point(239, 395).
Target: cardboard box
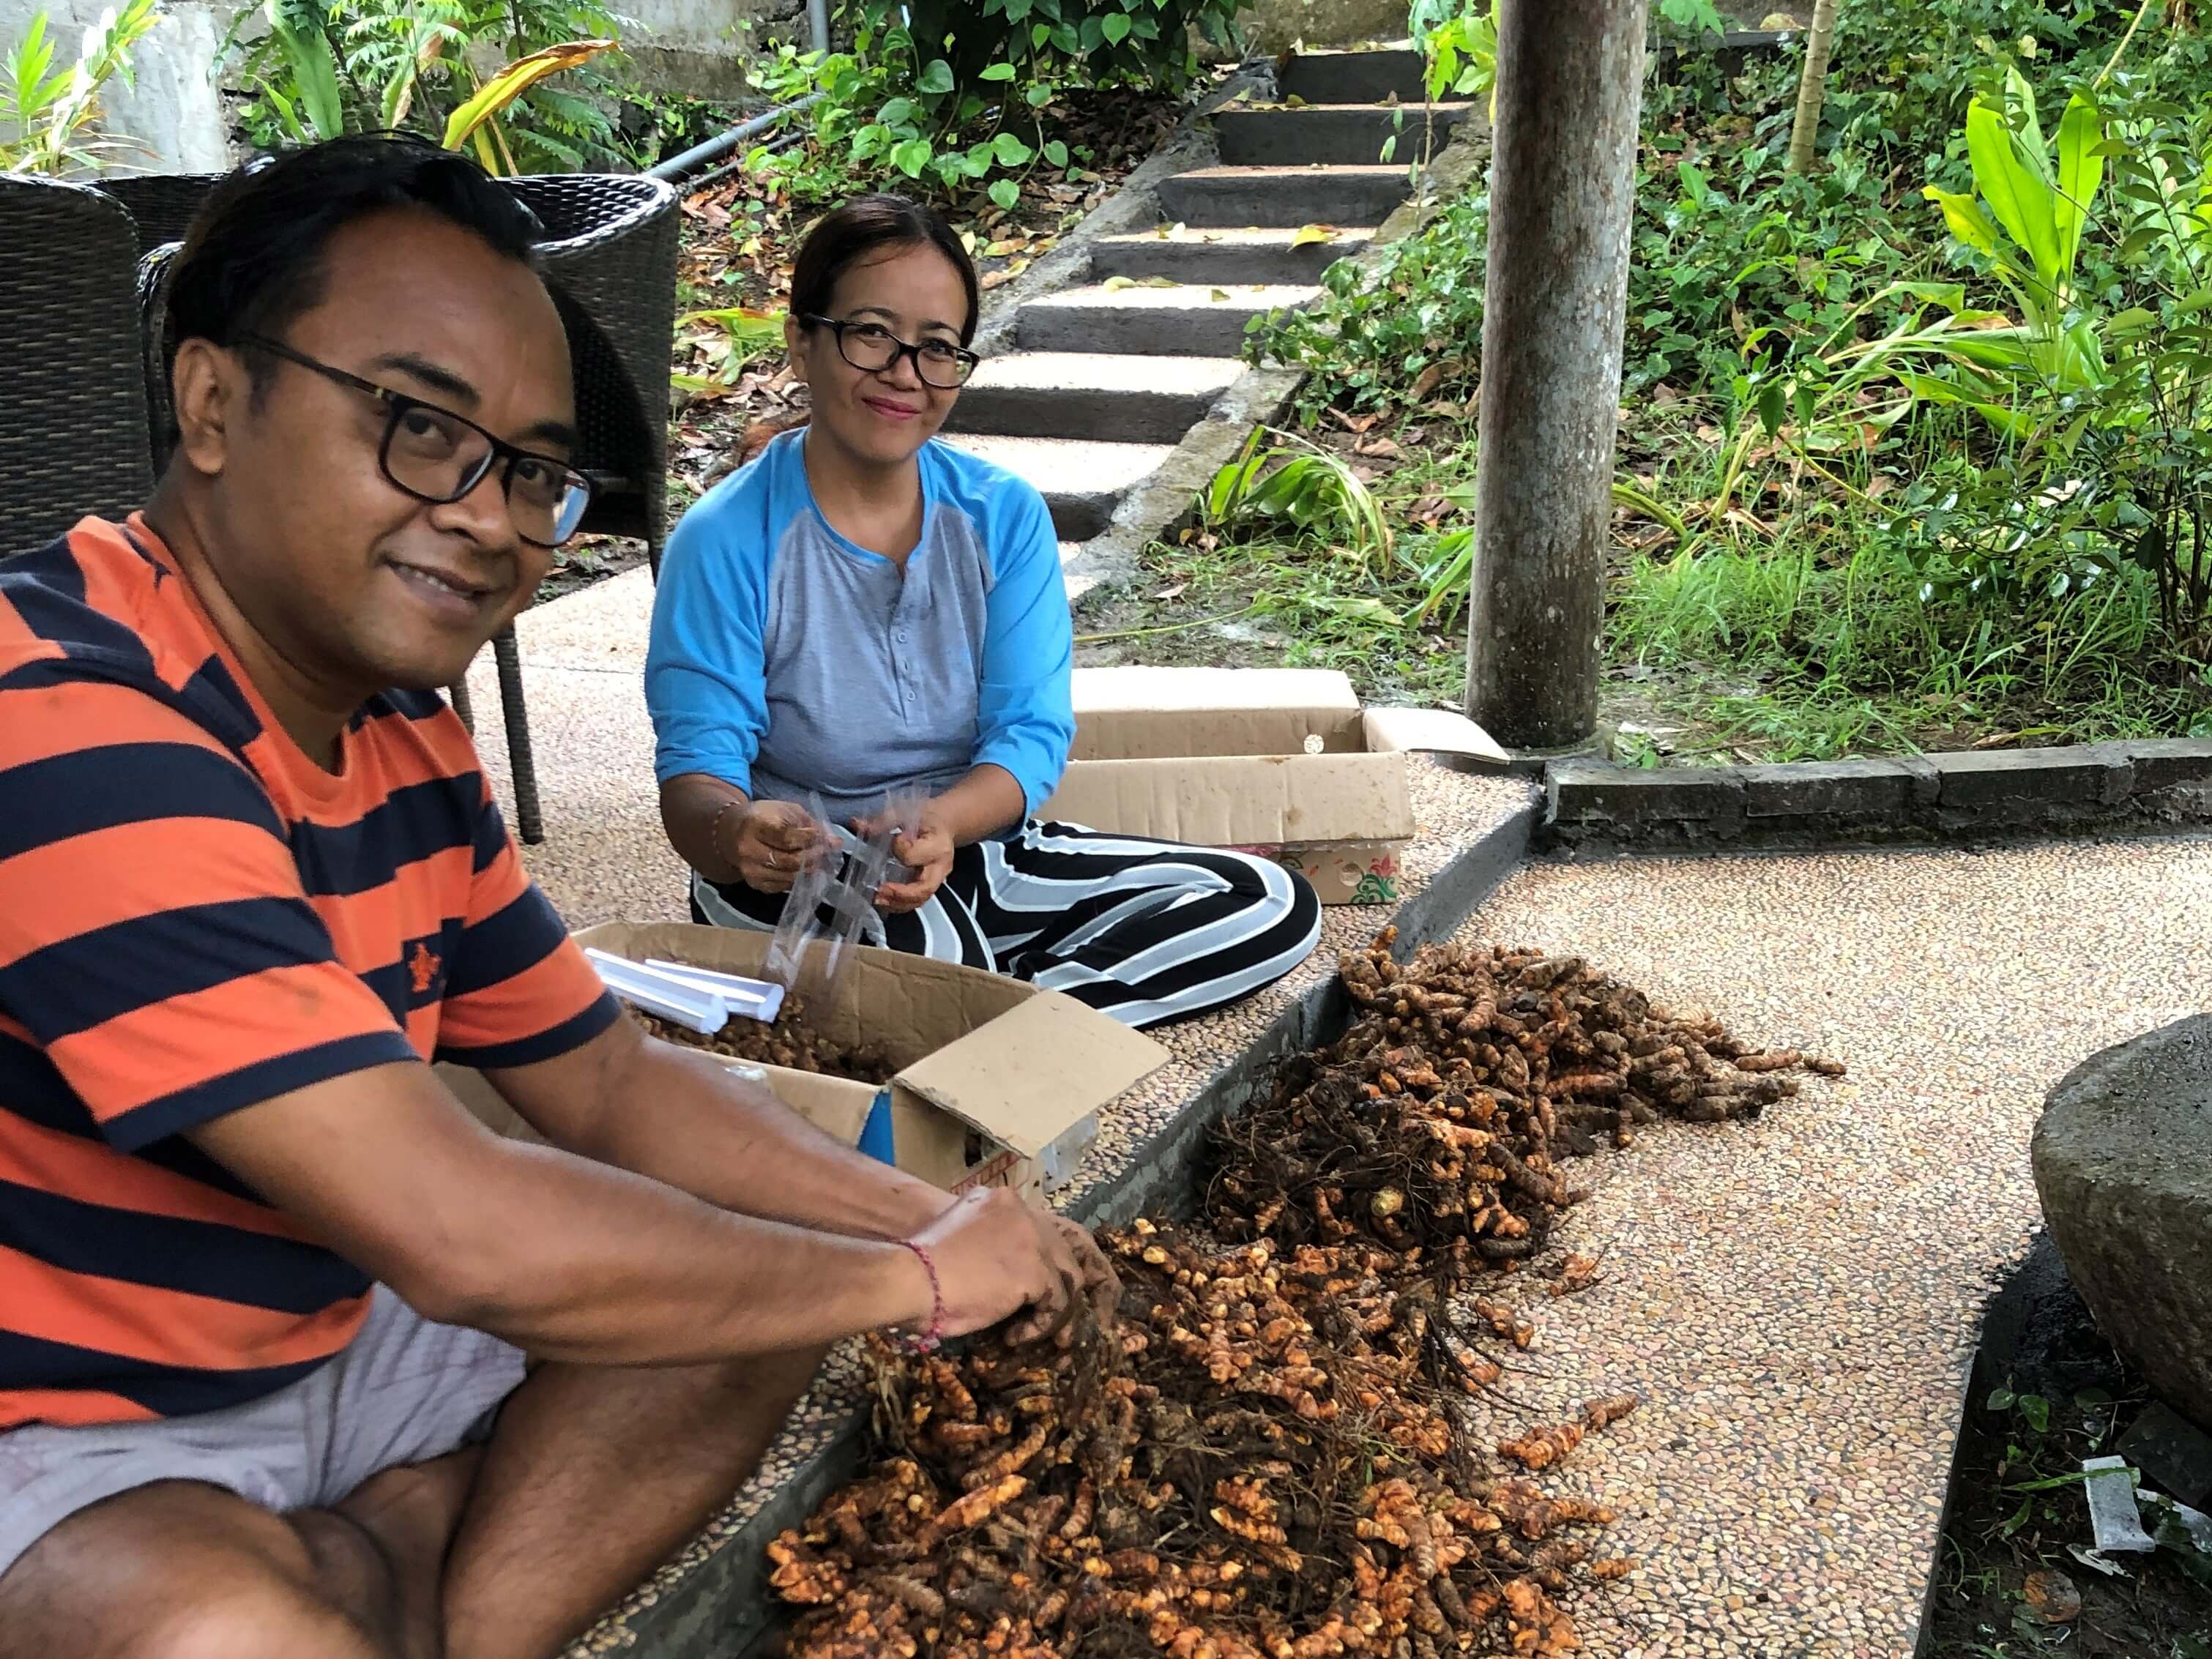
point(1283, 762)
point(1000, 1083)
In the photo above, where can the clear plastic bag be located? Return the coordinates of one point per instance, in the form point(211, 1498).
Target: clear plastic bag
point(832, 904)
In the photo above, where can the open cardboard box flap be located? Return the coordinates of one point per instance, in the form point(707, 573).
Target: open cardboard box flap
point(1034, 1071)
point(1432, 732)
point(1019, 1065)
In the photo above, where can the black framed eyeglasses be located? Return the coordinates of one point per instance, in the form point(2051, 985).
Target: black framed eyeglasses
point(874, 349)
point(436, 456)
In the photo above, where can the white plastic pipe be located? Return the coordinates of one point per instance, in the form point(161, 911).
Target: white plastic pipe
point(690, 1005)
point(754, 998)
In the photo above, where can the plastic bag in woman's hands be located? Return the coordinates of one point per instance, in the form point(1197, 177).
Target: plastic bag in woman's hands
point(832, 904)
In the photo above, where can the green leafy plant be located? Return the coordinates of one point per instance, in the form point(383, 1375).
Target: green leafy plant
point(1401, 330)
point(724, 340)
point(1458, 42)
point(317, 68)
point(476, 123)
point(2039, 194)
point(48, 108)
point(952, 94)
point(1297, 482)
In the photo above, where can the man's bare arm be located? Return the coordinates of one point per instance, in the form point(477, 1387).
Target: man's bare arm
point(578, 1260)
point(681, 1116)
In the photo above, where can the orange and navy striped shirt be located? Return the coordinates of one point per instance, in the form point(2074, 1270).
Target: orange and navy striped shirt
point(194, 918)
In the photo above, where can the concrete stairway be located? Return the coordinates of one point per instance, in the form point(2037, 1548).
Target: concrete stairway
point(1105, 379)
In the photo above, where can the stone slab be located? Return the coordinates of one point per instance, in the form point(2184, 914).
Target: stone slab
point(1579, 791)
point(1283, 196)
point(1192, 319)
point(1335, 135)
point(1226, 254)
point(1849, 788)
point(1098, 396)
point(1908, 800)
point(2088, 774)
point(1354, 78)
point(2163, 763)
point(1081, 482)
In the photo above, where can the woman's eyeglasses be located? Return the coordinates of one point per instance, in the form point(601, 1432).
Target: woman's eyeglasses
point(434, 455)
point(874, 349)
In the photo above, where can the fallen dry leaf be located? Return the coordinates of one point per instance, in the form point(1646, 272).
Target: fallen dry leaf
point(2052, 1595)
point(1427, 381)
point(1381, 449)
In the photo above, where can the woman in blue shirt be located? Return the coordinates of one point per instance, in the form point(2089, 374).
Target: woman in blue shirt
point(862, 612)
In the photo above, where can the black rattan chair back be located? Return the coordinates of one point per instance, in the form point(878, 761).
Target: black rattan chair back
point(609, 258)
point(73, 383)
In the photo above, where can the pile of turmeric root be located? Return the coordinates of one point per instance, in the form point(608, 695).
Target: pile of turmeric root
point(789, 1042)
point(1268, 1456)
point(1440, 1118)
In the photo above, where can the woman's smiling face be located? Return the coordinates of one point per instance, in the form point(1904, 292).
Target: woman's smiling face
point(884, 415)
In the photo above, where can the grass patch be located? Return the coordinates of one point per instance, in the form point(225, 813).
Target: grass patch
point(1797, 656)
point(1800, 625)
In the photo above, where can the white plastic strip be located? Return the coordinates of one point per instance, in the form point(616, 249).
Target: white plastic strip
point(701, 1010)
point(753, 998)
point(2112, 1515)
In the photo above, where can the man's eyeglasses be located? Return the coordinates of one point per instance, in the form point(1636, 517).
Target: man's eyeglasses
point(434, 455)
point(875, 348)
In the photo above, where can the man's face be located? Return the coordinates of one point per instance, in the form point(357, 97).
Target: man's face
point(356, 584)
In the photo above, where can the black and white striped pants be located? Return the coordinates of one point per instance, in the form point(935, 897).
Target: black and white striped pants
point(1145, 931)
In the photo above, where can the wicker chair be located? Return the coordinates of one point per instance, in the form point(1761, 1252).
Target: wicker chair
point(162, 204)
point(609, 258)
point(610, 261)
point(74, 440)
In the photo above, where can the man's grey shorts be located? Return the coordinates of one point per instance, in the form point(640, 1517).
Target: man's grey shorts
point(404, 1391)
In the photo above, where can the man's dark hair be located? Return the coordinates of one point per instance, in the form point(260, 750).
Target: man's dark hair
point(862, 228)
point(252, 260)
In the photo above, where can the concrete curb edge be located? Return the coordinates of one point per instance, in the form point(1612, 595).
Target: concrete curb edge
point(1964, 796)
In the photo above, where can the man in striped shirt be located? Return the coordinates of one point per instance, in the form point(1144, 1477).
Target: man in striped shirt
point(295, 1357)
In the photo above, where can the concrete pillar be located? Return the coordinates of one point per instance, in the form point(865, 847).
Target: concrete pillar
point(1563, 163)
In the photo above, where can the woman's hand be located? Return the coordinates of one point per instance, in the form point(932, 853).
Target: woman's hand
point(769, 841)
point(928, 851)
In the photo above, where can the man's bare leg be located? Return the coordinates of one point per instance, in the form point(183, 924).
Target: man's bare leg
point(593, 1477)
point(179, 1570)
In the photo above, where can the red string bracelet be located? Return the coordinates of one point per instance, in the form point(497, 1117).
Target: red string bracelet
point(933, 1337)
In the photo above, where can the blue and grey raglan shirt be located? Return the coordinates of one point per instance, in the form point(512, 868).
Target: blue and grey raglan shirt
point(785, 659)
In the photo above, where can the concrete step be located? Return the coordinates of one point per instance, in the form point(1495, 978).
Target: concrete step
point(1182, 321)
point(1334, 134)
point(1245, 254)
point(1088, 394)
point(1081, 483)
point(1214, 198)
point(1355, 77)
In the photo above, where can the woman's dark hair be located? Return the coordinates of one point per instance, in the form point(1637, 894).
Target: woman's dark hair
point(865, 225)
point(252, 260)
